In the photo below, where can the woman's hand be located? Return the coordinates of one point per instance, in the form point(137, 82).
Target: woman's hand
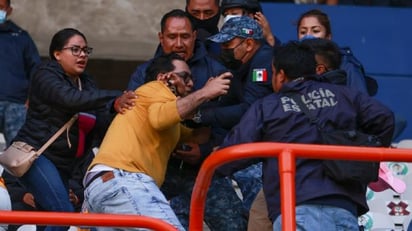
point(125, 102)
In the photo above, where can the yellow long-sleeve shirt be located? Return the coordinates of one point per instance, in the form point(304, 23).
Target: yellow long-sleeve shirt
point(142, 139)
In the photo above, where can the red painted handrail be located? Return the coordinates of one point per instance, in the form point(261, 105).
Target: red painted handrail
point(83, 219)
point(286, 152)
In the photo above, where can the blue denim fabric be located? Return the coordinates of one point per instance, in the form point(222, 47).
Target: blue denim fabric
point(49, 188)
point(224, 210)
point(320, 217)
point(249, 181)
point(5, 204)
point(12, 117)
point(129, 193)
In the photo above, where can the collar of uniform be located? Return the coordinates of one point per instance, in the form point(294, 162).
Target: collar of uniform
point(9, 26)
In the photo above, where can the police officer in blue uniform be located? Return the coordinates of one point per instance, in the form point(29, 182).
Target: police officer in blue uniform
point(249, 57)
point(278, 118)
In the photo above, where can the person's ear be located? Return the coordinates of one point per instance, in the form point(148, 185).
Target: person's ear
point(329, 36)
point(56, 55)
point(195, 34)
point(282, 78)
point(9, 10)
point(320, 69)
point(278, 79)
point(160, 36)
point(250, 44)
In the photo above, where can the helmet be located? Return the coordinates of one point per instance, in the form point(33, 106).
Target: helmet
point(249, 5)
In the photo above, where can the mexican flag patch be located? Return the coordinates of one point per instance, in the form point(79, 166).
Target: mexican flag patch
point(260, 75)
point(247, 31)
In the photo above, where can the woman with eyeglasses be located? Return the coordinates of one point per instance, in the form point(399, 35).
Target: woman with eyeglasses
point(60, 89)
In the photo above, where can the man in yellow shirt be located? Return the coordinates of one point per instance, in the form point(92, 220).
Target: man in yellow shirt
point(126, 174)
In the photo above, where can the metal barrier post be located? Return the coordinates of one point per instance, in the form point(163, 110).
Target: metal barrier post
point(287, 171)
point(287, 152)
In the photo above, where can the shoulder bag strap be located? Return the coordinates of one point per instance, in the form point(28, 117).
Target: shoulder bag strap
point(67, 125)
point(297, 98)
point(57, 134)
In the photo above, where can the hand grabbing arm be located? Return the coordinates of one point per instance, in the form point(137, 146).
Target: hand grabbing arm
point(125, 102)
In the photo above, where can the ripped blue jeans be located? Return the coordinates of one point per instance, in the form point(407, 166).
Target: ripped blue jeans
point(129, 193)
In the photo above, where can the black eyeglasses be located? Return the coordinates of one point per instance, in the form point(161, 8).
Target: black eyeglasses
point(186, 76)
point(76, 50)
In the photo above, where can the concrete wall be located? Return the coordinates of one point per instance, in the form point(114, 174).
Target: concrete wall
point(116, 29)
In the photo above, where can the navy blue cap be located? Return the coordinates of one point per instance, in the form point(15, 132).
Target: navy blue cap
point(243, 27)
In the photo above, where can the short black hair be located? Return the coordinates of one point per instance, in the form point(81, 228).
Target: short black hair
point(176, 13)
point(295, 59)
point(161, 64)
point(328, 51)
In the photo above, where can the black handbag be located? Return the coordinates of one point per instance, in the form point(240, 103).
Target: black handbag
point(345, 171)
point(349, 170)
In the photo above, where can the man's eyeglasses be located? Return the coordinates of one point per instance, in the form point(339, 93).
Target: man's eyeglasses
point(76, 51)
point(186, 76)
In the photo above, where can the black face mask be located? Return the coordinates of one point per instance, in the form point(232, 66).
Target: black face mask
point(209, 25)
point(227, 57)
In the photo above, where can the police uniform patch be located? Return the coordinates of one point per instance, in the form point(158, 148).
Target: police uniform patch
point(260, 75)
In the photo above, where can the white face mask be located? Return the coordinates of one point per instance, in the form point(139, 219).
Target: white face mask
point(3, 16)
point(229, 16)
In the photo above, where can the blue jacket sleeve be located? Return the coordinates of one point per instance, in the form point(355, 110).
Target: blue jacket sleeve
point(224, 117)
point(375, 118)
point(138, 77)
point(52, 88)
point(355, 74)
point(227, 110)
point(248, 130)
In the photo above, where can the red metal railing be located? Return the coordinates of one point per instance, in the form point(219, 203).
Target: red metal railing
point(83, 219)
point(286, 154)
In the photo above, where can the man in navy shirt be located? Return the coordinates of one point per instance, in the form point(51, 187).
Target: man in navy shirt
point(18, 58)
